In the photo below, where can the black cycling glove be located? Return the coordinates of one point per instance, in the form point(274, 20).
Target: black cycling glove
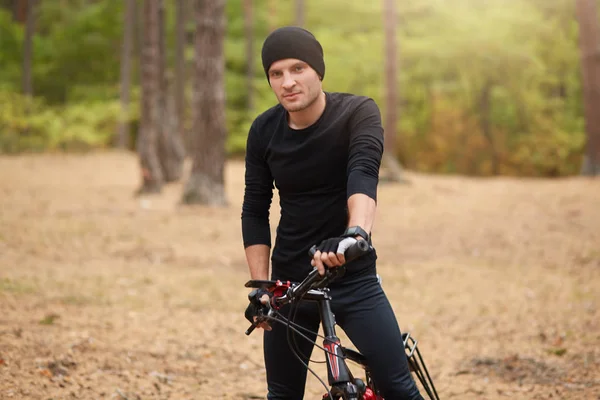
point(336, 244)
point(255, 304)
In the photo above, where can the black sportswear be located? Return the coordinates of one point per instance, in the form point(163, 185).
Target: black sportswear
point(315, 171)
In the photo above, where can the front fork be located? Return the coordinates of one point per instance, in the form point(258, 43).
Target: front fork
point(339, 376)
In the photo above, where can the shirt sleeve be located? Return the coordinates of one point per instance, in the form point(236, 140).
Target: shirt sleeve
point(365, 150)
point(258, 193)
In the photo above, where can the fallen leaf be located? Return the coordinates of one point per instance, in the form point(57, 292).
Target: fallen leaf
point(46, 373)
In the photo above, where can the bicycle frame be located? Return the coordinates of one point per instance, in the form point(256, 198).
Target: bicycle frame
point(339, 375)
point(342, 382)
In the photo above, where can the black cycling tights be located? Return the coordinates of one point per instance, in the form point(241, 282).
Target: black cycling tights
point(362, 310)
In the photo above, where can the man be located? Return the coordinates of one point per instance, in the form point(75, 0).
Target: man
point(322, 151)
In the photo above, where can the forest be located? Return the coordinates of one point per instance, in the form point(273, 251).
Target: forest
point(123, 126)
point(467, 87)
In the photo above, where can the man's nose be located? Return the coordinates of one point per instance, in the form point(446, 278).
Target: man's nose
point(288, 82)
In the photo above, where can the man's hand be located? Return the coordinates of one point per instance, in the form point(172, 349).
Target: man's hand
point(260, 299)
point(330, 253)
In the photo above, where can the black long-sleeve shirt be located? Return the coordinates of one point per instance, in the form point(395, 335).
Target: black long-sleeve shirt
point(315, 171)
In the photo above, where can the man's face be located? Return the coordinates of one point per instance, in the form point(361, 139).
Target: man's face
point(295, 83)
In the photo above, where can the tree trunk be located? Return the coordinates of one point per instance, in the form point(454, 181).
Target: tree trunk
point(485, 110)
point(589, 44)
point(139, 34)
point(248, 27)
point(147, 140)
point(20, 10)
point(390, 159)
point(206, 184)
point(300, 13)
point(128, 26)
point(272, 18)
point(170, 149)
point(180, 74)
point(28, 48)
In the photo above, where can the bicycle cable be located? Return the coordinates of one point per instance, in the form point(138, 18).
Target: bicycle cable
point(302, 328)
point(292, 307)
point(292, 326)
point(292, 321)
point(296, 328)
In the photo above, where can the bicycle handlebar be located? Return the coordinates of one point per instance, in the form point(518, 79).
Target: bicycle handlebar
point(358, 249)
point(353, 252)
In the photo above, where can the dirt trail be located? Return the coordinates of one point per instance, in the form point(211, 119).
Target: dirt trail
point(103, 295)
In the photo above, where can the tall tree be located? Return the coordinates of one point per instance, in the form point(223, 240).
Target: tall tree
point(300, 12)
point(126, 48)
point(139, 35)
point(272, 17)
point(170, 147)
point(206, 184)
point(180, 75)
point(390, 159)
point(589, 44)
point(147, 140)
point(20, 10)
point(28, 48)
point(485, 114)
point(249, 33)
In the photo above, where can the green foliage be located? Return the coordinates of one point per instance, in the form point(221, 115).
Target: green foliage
point(525, 51)
point(554, 153)
point(11, 54)
point(31, 125)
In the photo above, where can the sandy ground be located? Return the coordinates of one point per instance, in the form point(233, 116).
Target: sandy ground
point(104, 295)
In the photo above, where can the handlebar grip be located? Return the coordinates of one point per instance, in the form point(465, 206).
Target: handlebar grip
point(360, 248)
point(250, 329)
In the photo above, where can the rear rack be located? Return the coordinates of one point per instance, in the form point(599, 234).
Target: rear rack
point(417, 365)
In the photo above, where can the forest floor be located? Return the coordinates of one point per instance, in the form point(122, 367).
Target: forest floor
point(107, 296)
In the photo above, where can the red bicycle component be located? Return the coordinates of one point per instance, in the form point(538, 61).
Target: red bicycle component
point(369, 395)
point(278, 290)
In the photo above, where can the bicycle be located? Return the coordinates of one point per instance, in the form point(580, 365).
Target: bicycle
point(342, 383)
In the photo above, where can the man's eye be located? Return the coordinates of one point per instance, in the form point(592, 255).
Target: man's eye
point(275, 74)
point(299, 68)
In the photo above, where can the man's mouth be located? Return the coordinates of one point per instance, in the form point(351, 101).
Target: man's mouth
point(291, 95)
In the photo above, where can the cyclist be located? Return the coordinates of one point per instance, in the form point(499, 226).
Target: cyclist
point(322, 150)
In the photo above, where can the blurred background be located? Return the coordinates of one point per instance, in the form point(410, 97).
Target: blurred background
point(499, 87)
point(490, 257)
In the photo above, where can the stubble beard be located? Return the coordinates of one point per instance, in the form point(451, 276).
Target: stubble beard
point(304, 105)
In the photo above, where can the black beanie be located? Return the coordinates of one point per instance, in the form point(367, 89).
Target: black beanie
point(293, 42)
